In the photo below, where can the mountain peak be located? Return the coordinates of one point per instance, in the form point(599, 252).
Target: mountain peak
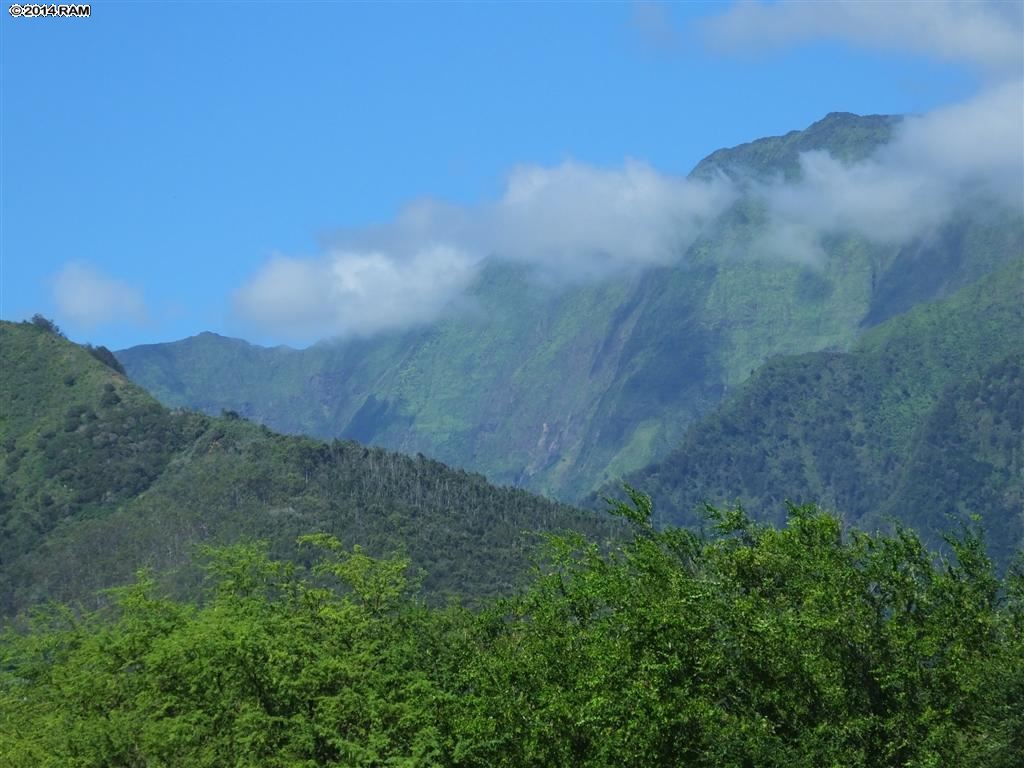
point(845, 135)
point(833, 116)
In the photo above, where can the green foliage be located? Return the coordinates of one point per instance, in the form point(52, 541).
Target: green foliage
point(921, 422)
point(274, 670)
point(966, 459)
point(806, 646)
point(639, 509)
point(45, 324)
point(97, 480)
point(106, 357)
point(77, 442)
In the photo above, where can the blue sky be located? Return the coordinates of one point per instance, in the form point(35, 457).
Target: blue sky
point(158, 156)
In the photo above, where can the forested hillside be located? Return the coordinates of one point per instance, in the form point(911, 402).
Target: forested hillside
point(562, 387)
point(802, 647)
point(512, 384)
point(922, 422)
point(98, 479)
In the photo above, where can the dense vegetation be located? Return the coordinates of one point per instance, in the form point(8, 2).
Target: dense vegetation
point(803, 647)
point(807, 644)
point(968, 459)
point(634, 360)
point(306, 603)
point(97, 479)
point(923, 422)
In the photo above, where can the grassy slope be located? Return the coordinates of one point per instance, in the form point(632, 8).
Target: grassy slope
point(633, 361)
point(97, 479)
point(863, 431)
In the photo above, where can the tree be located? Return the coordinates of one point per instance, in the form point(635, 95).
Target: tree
point(47, 325)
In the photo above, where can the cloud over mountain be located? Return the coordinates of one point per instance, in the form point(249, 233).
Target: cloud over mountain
point(350, 293)
point(86, 297)
point(574, 222)
point(569, 222)
point(965, 153)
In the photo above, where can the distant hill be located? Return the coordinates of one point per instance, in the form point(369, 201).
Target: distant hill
point(97, 479)
point(923, 422)
point(561, 389)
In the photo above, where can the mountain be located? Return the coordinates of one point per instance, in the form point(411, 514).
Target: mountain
point(97, 479)
point(922, 421)
point(560, 389)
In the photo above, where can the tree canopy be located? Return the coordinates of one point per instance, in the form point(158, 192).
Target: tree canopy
point(749, 646)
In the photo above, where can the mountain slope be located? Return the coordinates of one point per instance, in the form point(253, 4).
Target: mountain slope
point(848, 137)
point(97, 479)
point(634, 360)
point(968, 458)
point(920, 421)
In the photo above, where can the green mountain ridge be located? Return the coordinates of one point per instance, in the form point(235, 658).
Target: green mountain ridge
point(634, 360)
point(848, 137)
point(923, 421)
point(97, 480)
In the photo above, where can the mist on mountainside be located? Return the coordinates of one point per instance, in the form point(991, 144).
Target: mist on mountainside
point(573, 223)
point(539, 372)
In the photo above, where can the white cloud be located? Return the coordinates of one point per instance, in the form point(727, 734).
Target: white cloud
point(966, 153)
point(87, 298)
point(569, 222)
point(576, 221)
point(977, 142)
point(984, 34)
point(350, 293)
point(961, 153)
